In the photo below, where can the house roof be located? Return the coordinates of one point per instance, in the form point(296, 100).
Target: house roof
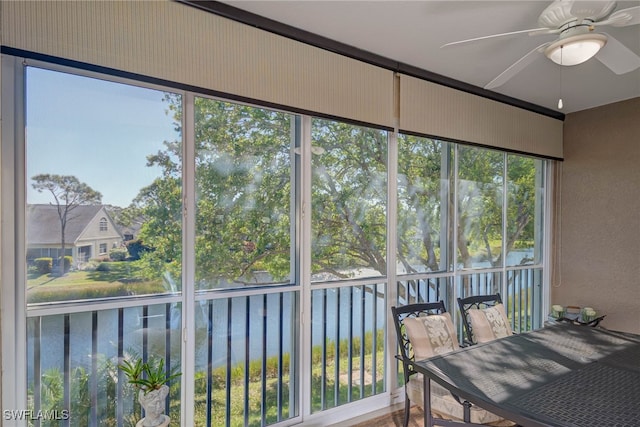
point(43, 223)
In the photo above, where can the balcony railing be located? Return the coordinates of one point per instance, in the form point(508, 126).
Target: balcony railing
point(246, 359)
point(72, 361)
point(247, 348)
point(522, 294)
point(347, 335)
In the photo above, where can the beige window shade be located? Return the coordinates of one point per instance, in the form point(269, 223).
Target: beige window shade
point(431, 109)
point(179, 43)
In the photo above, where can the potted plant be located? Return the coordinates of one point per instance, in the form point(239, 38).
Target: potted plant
point(150, 378)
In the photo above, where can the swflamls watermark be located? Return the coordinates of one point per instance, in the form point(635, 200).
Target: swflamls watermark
point(29, 414)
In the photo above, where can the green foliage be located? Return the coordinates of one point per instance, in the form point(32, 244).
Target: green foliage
point(330, 350)
point(103, 266)
point(421, 187)
point(52, 392)
point(243, 186)
point(149, 375)
point(330, 347)
point(479, 198)
point(136, 248)
point(349, 194)
point(118, 254)
point(523, 244)
point(52, 396)
point(243, 171)
point(243, 212)
point(66, 190)
point(67, 260)
point(522, 174)
point(43, 265)
point(111, 280)
point(50, 294)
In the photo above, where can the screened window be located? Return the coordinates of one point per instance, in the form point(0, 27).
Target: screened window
point(479, 197)
point(348, 254)
point(243, 188)
point(349, 199)
point(68, 118)
point(277, 321)
point(423, 204)
point(525, 210)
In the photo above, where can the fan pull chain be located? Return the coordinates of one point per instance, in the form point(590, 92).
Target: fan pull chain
point(561, 67)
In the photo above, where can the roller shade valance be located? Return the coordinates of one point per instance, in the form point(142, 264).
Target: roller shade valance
point(179, 43)
point(432, 109)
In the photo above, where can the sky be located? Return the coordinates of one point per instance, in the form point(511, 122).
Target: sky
point(100, 132)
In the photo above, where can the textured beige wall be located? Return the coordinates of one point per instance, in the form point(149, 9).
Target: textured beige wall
point(599, 235)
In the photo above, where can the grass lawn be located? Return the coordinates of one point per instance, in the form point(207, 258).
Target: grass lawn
point(113, 279)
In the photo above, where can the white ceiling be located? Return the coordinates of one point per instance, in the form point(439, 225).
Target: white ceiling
point(412, 32)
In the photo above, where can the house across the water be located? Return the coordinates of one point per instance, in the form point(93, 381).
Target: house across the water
point(89, 233)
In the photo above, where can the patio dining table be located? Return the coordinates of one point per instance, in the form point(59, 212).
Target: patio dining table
point(562, 375)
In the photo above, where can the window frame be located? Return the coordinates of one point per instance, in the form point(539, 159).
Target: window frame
point(14, 301)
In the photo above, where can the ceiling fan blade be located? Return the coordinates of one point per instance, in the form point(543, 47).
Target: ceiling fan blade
point(518, 66)
point(617, 57)
point(531, 32)
point(542, 31)
point(623, 18)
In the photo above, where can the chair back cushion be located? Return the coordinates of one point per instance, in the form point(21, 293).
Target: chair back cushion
point(431, 335)
point(489, 323)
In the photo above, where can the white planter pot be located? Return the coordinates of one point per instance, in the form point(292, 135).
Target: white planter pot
point(153, 404)
point(165, 423)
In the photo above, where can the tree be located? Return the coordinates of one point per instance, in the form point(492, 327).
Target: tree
point(427, 198)
point(479, 195)
point(349, 199)
point(421, 194)
point(244, 190)
point(243, 184)
point(68, 193)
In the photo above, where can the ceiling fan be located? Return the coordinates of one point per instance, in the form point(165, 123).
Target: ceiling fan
point(575, 23)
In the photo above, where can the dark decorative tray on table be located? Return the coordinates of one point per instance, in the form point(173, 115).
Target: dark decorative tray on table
point(577, 316)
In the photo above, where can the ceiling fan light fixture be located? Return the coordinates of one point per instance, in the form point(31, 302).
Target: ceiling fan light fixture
point(576, 49)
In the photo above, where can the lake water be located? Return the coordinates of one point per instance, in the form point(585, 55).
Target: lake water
point(348, 311)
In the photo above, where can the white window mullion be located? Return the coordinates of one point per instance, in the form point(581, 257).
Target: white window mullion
point(392, 238)
point(552, 233)
point(305, 266)
point(14, 338)
point(505, 197)
point(446, 189)
point(453, 246)
point(188, 262)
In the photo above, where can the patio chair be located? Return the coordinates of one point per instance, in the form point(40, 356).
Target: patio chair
point(483, 318)
point(425, 330)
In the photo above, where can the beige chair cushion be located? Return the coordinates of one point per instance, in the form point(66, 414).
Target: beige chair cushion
point(444, 405)
point(431, 335)
point(489, 323)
